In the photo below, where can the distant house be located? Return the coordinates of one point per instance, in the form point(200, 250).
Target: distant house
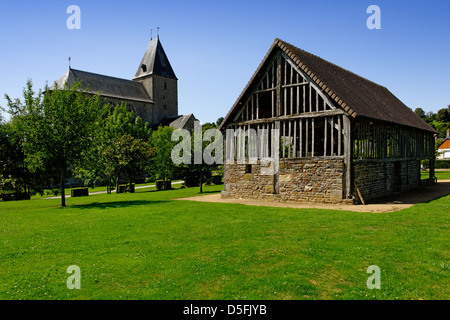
point(152, 94)
point(335, 135)
point(444, 148)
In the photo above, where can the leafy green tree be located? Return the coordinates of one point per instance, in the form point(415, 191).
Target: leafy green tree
point(16, 164)
point(111, 158)
point(420, 112)
point(219, 121)
point(61, 129)
point(129, 156)
point(443, 115)
point(162, 166)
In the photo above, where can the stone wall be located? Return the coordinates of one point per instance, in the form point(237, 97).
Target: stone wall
point(376, 179)
point(164, 92)
point(304, 180)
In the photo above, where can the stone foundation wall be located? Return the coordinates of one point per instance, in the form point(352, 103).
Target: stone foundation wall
point(306, 180)
point(376, 179)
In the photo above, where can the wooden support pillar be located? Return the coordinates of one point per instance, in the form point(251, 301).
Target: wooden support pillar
point(347, 157)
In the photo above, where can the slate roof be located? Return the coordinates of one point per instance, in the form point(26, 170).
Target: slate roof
point(356, 95)
point(177, 122)
point(108, 86)
point(155, 62)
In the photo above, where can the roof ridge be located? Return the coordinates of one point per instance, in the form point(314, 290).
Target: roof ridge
point(103, 75)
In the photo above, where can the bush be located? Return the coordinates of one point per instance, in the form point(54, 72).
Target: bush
point(79, 192)
point(191, 181)
point(159, 184)
point(126, 188)
point(438, 164)
point(217, 179)
point(167, 184)
point(442, 164)
point(15, 196)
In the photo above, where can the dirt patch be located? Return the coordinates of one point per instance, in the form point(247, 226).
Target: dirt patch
point(389, 204)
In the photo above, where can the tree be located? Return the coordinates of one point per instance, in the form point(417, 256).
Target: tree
point(61, 129)
point(121, 144)
point(219, 121)
point(162, 165)
point(130, 157)
point(16, 165)
point(443, 115)
point(420, 112)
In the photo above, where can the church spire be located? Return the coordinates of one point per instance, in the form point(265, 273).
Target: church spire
point(155, 62)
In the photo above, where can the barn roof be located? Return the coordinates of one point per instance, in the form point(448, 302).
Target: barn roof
point(356, 95)
point(107, 86)
point(155, 61)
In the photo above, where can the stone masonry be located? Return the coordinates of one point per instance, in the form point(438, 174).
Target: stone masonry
point(305, 180)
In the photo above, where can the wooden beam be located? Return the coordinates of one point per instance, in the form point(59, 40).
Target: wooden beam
point(295, 116)
point(325, 142)
point(347, 155)
point(278, 104)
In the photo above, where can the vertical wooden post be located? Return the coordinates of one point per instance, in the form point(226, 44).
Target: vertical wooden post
point(278, 103)
point(301, 138)
point(347, 156)
point(295, 138)
point(325, 142)
point(312, 137)
point(339, 136)
point(332, 135)
point(307, 138)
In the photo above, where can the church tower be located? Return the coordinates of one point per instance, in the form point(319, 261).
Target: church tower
point(159, 80)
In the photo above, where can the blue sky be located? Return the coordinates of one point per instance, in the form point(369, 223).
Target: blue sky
point(215, 46)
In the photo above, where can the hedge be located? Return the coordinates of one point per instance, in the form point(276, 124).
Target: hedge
point(15, 196)
point(79, 192)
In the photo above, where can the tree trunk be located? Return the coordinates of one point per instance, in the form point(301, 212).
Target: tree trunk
point(201, 180)
point(63, 187)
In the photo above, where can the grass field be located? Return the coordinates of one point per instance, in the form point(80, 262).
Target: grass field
point(439, 174)
point(147, 245)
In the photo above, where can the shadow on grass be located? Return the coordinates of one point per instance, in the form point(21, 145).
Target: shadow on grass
point(115, 204)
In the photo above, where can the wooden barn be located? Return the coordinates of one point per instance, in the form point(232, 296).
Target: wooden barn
point(304, 129)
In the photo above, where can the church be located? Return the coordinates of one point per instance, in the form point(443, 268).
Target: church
point(152, 94)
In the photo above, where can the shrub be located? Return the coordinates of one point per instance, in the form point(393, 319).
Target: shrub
point(217, 179)
point(159, 184)
point(126, 188)
point(442, 164)
point(79, 192)
point(15, 196)
point(167, 184)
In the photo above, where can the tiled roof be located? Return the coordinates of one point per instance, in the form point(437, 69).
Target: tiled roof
point(107, 86)
point(358, 96)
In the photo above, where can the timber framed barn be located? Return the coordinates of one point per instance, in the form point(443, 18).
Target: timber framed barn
point(330, 136)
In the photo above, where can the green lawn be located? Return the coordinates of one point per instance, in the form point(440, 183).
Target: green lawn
point(91, 190)
point(147, 245)
point(440, 175)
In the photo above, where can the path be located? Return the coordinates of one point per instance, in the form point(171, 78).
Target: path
point(389, 204)
point(100, 192)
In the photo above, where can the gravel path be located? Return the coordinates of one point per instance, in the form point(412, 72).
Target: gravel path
point(389, 204)
point(100, 192)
